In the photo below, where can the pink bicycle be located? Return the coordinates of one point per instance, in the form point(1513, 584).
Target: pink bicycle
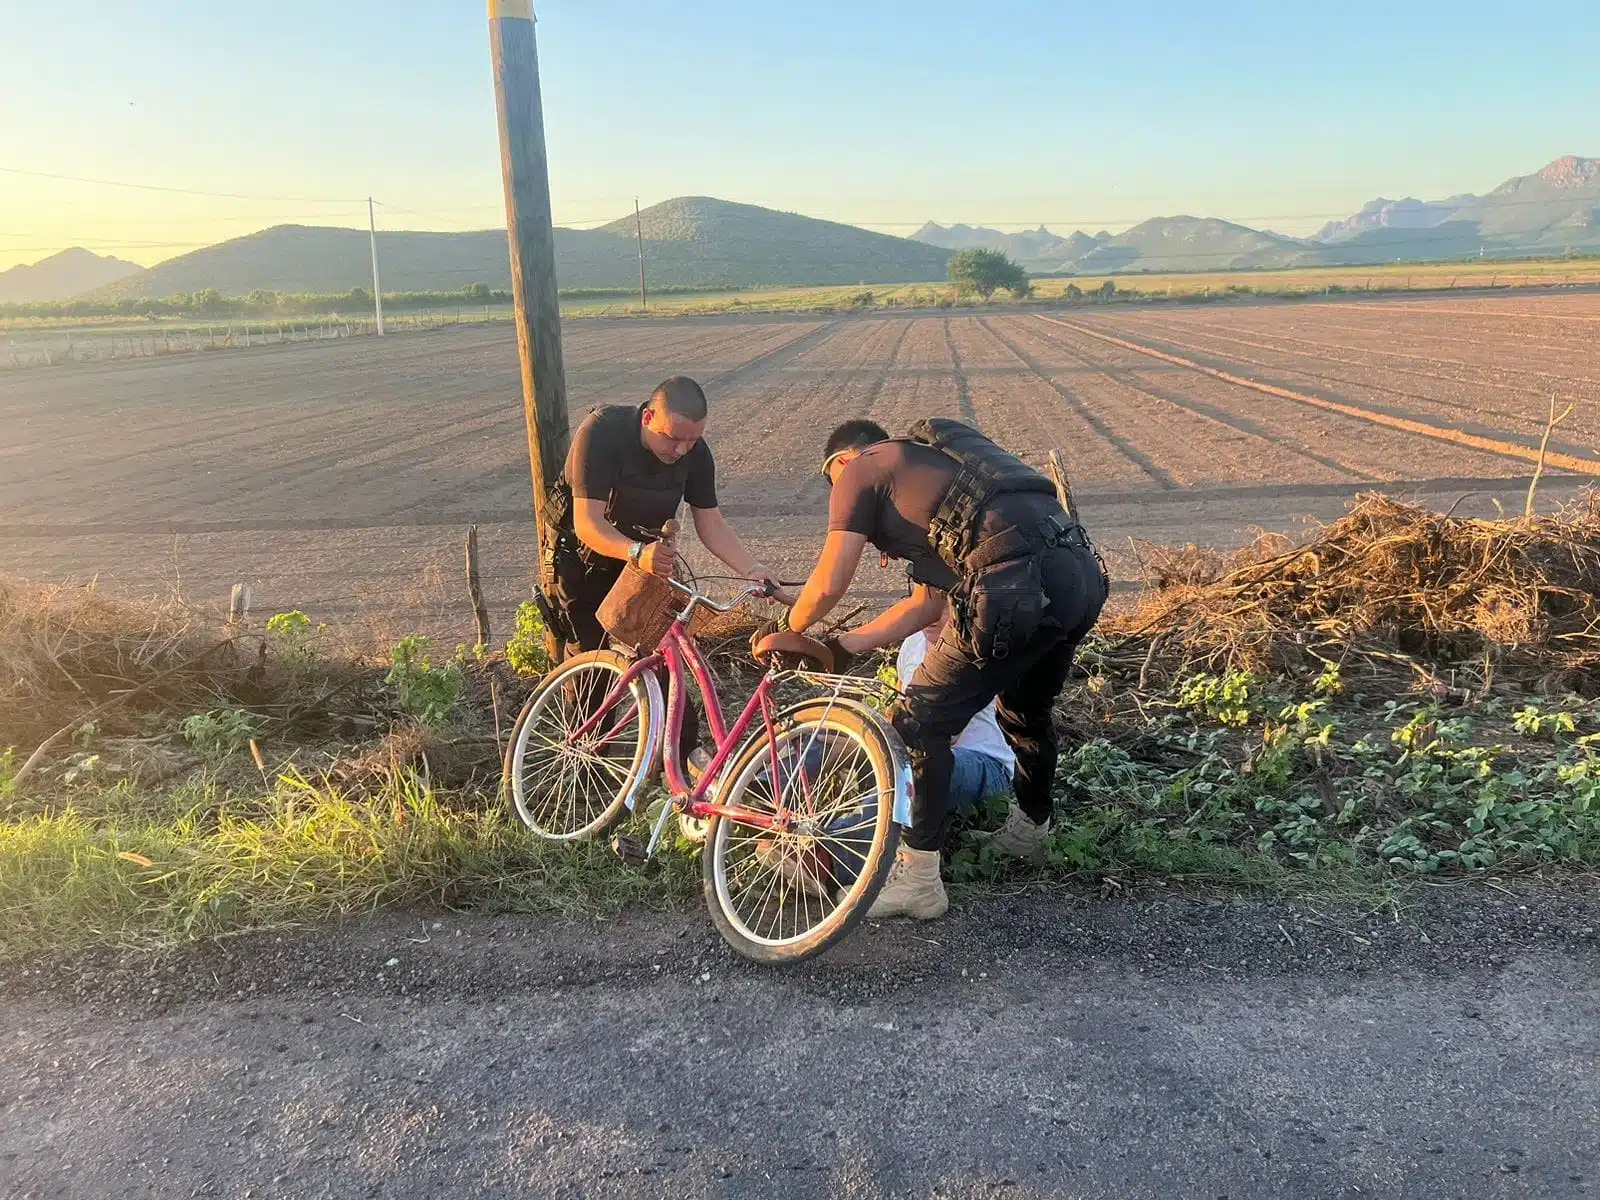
point(803, 807)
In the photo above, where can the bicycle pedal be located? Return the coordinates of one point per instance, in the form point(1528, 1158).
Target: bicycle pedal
point(630, 850)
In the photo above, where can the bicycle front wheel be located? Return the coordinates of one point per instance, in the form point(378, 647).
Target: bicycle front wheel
point(567, 788)
point(786, 891)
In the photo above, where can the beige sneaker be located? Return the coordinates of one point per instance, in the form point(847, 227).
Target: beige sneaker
point(1019, 837)
point(913, 888)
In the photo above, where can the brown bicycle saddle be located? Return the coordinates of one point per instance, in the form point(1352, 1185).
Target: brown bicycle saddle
point(795, 645)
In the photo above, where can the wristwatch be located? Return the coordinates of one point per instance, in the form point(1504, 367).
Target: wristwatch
point(634, 551)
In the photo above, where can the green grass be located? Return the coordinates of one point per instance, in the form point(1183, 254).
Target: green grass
point(1296, 283)
point(1321, 784)
point(1291, 283)
point(1235, 782)
point(198, 862)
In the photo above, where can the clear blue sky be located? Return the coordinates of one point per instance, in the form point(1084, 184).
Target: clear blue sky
point(880, 113)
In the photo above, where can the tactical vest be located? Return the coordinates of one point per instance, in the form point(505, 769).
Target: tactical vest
point(984, 472)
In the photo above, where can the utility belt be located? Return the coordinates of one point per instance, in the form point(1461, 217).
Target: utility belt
point(1000, 601)
point(1056, 530)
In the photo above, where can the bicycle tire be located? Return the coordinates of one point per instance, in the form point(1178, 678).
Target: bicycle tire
point(607, 802)
point(817, 856)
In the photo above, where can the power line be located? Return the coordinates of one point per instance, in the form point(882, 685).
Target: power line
point(155, 187)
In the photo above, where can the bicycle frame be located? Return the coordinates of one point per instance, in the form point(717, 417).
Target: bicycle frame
point(676, 650)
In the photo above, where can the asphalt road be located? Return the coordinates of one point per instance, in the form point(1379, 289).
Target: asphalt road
point(1044, 1044)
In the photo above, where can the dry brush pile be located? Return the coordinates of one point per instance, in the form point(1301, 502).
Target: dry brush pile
point(1389, 583)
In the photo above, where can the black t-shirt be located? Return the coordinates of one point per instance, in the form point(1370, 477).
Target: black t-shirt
point(889, 495)
point(608, 461)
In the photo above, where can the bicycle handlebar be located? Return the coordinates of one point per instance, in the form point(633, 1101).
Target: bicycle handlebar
point(697, 598)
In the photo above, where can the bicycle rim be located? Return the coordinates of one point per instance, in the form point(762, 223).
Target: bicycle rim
point(566, 789)
point(783, 896)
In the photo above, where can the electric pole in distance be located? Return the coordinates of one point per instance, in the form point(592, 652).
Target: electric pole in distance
point(377, 288)
point(638, 230)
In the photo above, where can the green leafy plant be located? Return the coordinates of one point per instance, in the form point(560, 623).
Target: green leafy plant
point(220, 732)
point(297, 639)
point(1534, 722)
point(1222, 698)
point(527, 650)
point(1329, 682)
point(423, 691)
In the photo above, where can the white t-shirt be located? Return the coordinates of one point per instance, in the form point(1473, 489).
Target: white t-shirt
point(982, 733)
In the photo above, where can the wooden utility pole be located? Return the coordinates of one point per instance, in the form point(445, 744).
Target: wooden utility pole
point(638, 230)
point(532, 236)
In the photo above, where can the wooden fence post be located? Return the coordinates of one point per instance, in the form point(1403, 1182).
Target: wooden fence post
point(1058, 476)
point(480, 611)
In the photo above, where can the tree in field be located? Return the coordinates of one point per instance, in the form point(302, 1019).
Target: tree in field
point(477, 291)
point(986, 272)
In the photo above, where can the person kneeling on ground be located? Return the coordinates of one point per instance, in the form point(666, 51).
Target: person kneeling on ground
point(981, 770)
point(980, 526)
point(982, 760)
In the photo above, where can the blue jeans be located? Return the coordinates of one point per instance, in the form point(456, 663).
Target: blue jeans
point(976, 777)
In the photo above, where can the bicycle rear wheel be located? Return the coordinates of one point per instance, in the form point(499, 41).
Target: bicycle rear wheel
point(780, 895)
point(567, 789)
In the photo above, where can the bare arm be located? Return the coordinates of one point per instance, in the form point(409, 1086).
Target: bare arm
point(830, 580)
point(717, 536)
point(600, 535)
point(897, 622)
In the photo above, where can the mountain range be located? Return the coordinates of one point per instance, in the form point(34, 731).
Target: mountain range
point(1552, 211)
point(698, 241)
point(693, 241)
point(62, 276)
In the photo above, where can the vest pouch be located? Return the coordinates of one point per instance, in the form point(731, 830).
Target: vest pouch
point(1005, 605)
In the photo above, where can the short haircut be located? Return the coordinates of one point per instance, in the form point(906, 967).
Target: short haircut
point(681, 395)
point(853, 434)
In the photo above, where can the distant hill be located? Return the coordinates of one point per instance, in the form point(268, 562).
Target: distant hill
point(1038, 250)
point(1551, 211)
point(1193, 244)
point(62, 276)
point(697, 239)
point(1162, 244)
point(1390, 214)
point(691, 241)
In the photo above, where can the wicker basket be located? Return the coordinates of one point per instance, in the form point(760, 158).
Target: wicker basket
point(639, 609)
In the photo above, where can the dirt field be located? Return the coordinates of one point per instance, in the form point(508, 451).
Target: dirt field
point(340, 477)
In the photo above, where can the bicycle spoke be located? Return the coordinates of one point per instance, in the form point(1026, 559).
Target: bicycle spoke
point(789, 889)
point(564, 785)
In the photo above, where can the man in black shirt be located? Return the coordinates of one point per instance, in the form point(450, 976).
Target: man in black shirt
point(979, 526)
point(627, 473)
